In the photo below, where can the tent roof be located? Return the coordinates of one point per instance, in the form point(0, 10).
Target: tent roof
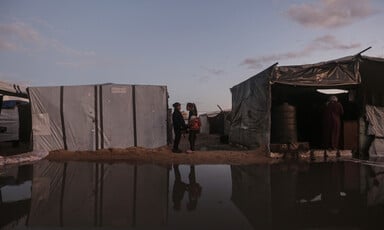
point(13, 89)
point(337, 72)
point(342, 71)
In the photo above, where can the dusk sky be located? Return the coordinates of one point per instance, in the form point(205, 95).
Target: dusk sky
point(199, 48)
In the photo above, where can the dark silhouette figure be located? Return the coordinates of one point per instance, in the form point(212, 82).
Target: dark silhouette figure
point(178, 126)
point(179, 188)
point(332, 123)
point(194, 190)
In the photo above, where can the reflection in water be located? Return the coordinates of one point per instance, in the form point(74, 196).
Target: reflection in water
point(179, 188)
point(15, 195)
point(295, 196)
point(91, 194)
point(286, 195)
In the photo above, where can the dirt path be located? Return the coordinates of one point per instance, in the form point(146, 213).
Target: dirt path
point(163, 155)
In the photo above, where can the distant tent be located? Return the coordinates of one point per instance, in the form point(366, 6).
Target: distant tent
point(254, 99)
point(92, 117)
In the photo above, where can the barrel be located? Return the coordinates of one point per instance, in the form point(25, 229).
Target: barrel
point(283, 124)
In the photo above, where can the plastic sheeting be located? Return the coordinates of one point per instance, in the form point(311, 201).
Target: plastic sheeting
point(250, 116)
point(90, 195)
point(343, 71)
point(94, 117)
point(375, 118)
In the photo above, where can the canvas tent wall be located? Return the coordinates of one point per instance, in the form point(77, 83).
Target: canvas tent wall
point(92, 117)
point(252, 99)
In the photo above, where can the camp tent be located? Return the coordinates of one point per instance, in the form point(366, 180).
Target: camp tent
point(254, 100)
point(92, 117)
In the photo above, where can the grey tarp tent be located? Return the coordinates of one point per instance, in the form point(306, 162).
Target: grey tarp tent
point(251, 99)
point(250, 116)
point(92, 117)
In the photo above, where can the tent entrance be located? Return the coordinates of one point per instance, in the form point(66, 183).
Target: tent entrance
point(297, 116)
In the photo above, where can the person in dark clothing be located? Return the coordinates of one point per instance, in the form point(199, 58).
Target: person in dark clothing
point(191, 107)
point(178, 126)
point(332, 123)
point(179, 188)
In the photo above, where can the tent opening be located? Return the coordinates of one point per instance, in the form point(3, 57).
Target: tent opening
point(297, 115)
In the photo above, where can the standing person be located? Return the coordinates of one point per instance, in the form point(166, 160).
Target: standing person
point(178, 126)
point(193, 125)
point(332, 123)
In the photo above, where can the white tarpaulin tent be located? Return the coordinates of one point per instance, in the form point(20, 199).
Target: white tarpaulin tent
point(92, 117)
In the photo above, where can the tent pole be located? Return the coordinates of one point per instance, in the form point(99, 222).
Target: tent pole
point(363, 51)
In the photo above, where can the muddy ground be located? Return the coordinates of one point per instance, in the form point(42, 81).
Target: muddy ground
point(209, 151)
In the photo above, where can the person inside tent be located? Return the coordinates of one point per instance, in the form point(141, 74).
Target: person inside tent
point(332, 123)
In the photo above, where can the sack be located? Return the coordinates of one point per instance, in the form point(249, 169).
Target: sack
point(194, 124)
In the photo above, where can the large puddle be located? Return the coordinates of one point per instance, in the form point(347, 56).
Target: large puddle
point(329, 195)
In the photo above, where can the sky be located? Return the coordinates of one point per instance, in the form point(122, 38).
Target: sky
point(199, 49)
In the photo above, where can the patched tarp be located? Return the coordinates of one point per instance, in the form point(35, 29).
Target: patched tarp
point(375, 120)
point(250, 116)
point(343, 71)
point(251, 99)
point(92, 117)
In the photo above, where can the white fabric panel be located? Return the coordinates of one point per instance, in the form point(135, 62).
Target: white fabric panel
point(114, 117)
point(9, 118)
point(79, 116)
point(46, 120)
point(152, 196)
point(151, 116)
point(377, 148)
point(117, 116)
